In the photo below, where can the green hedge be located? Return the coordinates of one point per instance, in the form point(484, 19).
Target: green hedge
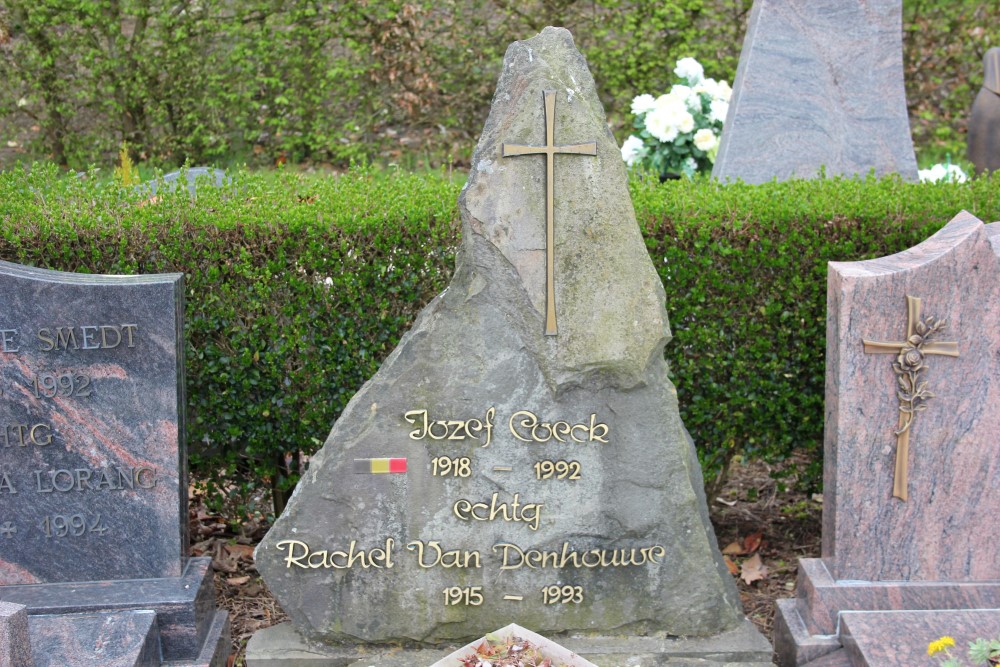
point(298, 286)
point(396, 80)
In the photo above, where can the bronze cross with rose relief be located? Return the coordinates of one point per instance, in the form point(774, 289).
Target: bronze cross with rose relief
point(549, 150)
point(913, 394)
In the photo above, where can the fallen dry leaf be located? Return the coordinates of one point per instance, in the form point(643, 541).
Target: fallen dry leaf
point(734, 549)
point(734, 569)
point(240, 551)
point(753, 569)
point(237, 581)
point(752, 542)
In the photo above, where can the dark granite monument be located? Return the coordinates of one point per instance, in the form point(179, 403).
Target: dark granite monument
point(984, 124)
point(912, 458)
point(93, 525)
point(819, 85)
point(520, 456)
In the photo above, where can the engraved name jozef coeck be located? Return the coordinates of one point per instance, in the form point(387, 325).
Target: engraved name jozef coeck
point(89, 423)
point(519, 457)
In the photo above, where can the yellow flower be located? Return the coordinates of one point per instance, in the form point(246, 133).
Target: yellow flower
point(940, 645)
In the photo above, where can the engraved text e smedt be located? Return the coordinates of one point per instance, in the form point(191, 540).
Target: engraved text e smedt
point(549, 150)
point(913, 394)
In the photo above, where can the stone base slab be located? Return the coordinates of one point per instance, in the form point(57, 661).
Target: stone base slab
point(192, 631)
point(215, 649)
point(117, 639)
point(900, 638)
point(282, 646)
point(817, 622)
point(838, 658)
point(15, 645)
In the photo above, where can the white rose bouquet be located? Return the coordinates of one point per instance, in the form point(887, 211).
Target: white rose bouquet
point(948, 173)
point(678, 133)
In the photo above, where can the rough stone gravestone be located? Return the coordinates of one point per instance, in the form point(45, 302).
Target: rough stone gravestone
point(912, 458)
point(519, 457)
point(984, 124)
point(819, 85)
point(92, 462)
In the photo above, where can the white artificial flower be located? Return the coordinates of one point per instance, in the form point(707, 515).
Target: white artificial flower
point(633, 150)
point(689, 166)
point(723, 91)
point(718, 111)
point(951, 173)
point(679, 92)
point(662, 103)
point(660, 122)
point(683, 96)
point(707, 86)
point(642, 103)
point(705, 139)
point(690, 69)
point(669, 116)
point(685, 123)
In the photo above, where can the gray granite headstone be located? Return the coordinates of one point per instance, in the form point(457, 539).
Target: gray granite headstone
point(93, 479)
point(517, 459)
point(819, 85)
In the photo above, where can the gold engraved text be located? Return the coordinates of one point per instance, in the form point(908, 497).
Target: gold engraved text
point(445, 466)
point(70, 383)
point(91, 337)
point(22, 435)
point(470, 595)
point(529, 513)
point(442, 429)
point(6, 486)
point(557, 470)
point(74, 525)
point(430, 554)
point(8, 339)
point(91, 479)
point(556, 594)
point(514, 557)
point(529, 429)
point(300, 555)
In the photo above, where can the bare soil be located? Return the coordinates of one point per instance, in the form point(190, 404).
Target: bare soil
point(756, 514)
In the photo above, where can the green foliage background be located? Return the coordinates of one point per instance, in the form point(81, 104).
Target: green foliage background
point(267, 81)
point(299, 286)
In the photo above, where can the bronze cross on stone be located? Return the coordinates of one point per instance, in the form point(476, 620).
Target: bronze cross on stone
point(913, 394)
point(549, 150)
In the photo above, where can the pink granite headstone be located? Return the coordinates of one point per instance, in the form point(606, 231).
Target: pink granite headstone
point(954, 459)
point(913, 366)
